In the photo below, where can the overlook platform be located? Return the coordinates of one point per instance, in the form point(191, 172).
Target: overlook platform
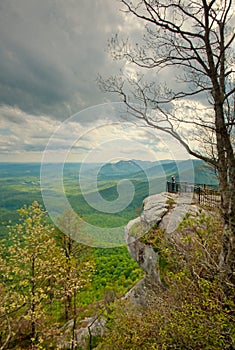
point(204, 194)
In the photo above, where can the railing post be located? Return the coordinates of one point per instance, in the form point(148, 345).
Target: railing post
point(206, 194)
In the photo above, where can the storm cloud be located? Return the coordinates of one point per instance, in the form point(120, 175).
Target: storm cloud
point(51, 52)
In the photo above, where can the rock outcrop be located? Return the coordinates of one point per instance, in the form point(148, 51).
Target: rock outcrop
point(87, 328)
point(167, 211)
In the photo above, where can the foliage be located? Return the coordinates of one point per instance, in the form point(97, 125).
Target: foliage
point(37, 278)
point(115, 270)
point(193, 312)
point(48, 280)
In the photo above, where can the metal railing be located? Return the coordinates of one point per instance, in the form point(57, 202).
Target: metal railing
point(208, 195)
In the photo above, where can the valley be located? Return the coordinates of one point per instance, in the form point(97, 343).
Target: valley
point(20, 184)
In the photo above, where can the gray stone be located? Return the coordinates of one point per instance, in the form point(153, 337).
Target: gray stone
point(146, 258)
point(142, 293)
point(154, 208)
point(167, 211)
point(92, 327)
point(87, 328)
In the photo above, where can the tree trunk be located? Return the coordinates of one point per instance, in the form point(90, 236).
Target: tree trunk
point(33, 324)
point(74, 343)
point(226, 170)
point(227, 255)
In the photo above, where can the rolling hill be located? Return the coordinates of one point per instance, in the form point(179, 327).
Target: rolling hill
point(20, 184)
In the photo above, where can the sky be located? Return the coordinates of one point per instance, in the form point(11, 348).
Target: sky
point(51, 52)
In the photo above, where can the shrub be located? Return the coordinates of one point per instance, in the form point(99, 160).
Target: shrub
point(193, 312)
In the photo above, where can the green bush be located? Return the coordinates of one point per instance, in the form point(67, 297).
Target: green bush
point(193, 312)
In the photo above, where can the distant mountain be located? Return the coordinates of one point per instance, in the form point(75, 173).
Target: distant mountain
point(119, 169)
point(195, 171)
point(189, 170)
point(203, 174)
point(20, 183)
point(166, 168)
point(19, 169)
point(133, 168)
point(145, 164)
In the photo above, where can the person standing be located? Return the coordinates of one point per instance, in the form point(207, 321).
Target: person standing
point(173, 183)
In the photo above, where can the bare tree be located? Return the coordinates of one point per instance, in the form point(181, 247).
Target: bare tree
point(193, 42)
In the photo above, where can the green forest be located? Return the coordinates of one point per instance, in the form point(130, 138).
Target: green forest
point(50, 283)
point(47, 279)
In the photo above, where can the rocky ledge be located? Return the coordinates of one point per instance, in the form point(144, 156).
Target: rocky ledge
point(164, 209)
point(167, 211)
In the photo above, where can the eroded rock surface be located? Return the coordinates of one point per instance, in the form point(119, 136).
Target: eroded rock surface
point(146, 258)
point(89, 327)
point(154, 208)
point(167, 211)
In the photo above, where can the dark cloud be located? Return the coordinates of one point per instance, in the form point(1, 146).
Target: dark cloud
point(51, 52)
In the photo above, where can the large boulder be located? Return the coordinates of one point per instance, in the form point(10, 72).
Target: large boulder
point(154, 208)
point(166, 210)
point(88, 328)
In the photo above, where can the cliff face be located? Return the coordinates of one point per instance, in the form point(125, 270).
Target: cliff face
point(166, 210)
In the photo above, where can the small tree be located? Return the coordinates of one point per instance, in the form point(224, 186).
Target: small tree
point(77, 268)
point(38, 275)
point(78, 262)
point(30, 262)
point(193, 42)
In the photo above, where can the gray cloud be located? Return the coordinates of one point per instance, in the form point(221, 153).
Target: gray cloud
point(51, 52)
